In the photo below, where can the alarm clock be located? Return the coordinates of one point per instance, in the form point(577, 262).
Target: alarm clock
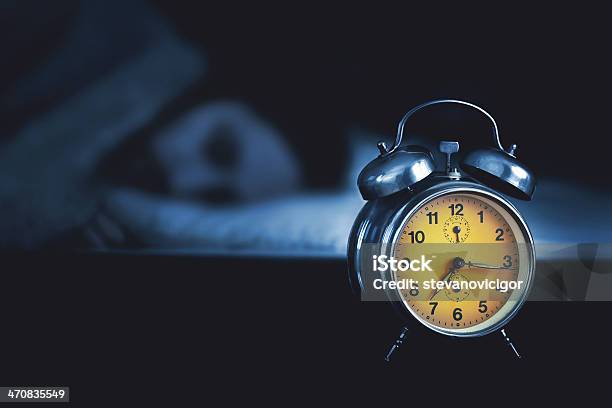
point(458, 221)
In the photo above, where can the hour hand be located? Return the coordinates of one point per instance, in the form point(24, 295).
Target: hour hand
point(458, 263)
point(446, 278)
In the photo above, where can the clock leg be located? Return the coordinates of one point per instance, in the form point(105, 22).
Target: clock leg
point(396, 345)
point(509, 342)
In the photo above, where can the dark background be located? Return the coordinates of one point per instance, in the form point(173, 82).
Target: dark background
point(543, 71)
point(284, 331)
point(314, 70)
point(156, 328)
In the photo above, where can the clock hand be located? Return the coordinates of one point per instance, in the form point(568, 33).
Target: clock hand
point(450, 273)
point(471, 264)
point(457, 230)
point(458, 263)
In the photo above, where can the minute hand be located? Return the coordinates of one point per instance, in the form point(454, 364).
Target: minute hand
point(486, 266)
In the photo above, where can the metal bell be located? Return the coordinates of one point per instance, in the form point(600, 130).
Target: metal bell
point(501, 171)
point(399, 168)
point(394, 171)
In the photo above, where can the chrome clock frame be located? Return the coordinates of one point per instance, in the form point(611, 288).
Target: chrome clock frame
point(392, 212)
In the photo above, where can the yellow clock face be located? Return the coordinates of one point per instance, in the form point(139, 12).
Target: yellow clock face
point(479, 266)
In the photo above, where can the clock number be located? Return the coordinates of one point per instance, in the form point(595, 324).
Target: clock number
point(417, 237)
point(457, 314)
point(433, 216)
point(500, 234)
point(507, 261)
point(482, 306)
point(456, 209)
point(414, 292)
point(433, 306)
point(481, 214)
